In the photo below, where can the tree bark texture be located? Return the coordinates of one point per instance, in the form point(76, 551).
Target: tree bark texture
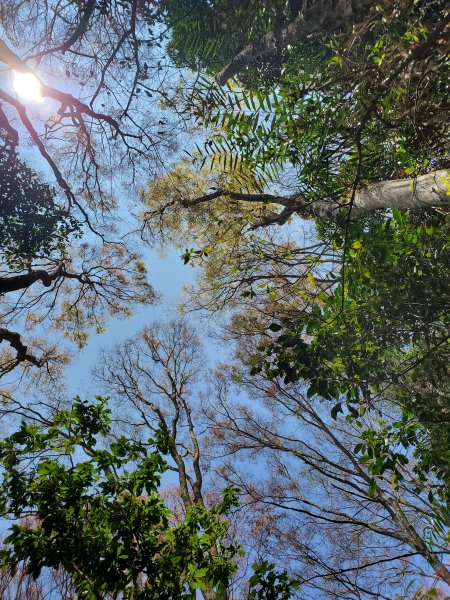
point(321, 15)
point(426, 191)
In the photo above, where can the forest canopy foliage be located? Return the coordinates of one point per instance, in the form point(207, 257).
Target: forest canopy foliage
point(296, 154)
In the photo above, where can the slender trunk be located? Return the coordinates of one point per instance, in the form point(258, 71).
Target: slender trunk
point(323, 15)
point(418, 543)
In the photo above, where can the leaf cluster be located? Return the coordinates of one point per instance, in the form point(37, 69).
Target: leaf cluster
point(32, 223)
point(98, 514)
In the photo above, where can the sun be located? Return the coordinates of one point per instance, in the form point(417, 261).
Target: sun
point(27, 86)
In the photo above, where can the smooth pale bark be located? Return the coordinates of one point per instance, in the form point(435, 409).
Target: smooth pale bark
point(12, 60)
point(323, 15)
point(426, 191)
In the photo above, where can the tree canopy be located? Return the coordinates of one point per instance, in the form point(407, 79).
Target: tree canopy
point(102, 519)
point(296, 154)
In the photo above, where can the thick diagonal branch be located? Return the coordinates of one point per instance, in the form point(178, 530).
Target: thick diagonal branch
point(23, 281)
point(79, 30)
point(321, 15)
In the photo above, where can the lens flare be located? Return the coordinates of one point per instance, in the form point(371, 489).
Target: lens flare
point(27, 86)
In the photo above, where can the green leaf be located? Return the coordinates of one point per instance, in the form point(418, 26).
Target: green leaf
point(337, 408)
point(373, 487)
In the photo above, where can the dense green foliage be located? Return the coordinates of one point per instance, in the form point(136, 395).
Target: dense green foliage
point(364, 106)
point(391, 295)
point(381, 334)
point(32, 223)
point(205, 35)
point(102, 520)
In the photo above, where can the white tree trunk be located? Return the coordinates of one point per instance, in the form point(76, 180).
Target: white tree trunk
point(426, 191)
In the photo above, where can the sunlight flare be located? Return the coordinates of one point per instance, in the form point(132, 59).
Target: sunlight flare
point(28, 86)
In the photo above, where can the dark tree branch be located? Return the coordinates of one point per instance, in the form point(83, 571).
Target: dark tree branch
point(22, 351)
point(77, 34)
point(80, 29)
point(21, 282)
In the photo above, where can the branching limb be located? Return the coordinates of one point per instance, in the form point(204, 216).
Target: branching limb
point(77, 33)
point(426, 191)
point(21, 282)
point(22, 351)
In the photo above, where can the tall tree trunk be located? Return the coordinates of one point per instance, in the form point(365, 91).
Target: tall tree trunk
point(322, 15)
point(427, 191)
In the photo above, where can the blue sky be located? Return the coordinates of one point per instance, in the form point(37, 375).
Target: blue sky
point(167, 275)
